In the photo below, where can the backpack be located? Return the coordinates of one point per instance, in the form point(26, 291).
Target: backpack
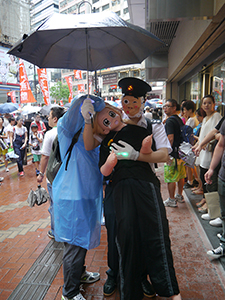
point(55, 162)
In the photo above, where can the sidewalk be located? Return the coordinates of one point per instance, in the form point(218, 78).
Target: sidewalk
point(23, 238)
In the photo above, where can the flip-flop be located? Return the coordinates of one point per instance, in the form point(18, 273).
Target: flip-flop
point(197, 192)
point(203, 209)
point(199, 204)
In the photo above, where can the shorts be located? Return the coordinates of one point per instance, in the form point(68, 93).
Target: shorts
point(3, 152)
point(171, 174)
point(36, 157)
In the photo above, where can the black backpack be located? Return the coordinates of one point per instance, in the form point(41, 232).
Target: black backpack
point(55, 162)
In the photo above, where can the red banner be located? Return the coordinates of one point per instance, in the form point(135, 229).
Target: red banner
point(70, 85)
point(13, 96)
point(26, 95)
point(61, 103)
point(77, 74)
point(43, 81)
point(81, 88)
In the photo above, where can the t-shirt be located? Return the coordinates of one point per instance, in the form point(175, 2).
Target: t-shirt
point(36, 149)
point(48, 141)
point(9, 128)
point(192, 122)
point(172, 127)
point(221, 174)
point(124, 169)
point(19, 131)
point(220, 123)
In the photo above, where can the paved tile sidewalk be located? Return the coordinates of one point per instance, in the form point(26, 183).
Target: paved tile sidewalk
point(23, 236)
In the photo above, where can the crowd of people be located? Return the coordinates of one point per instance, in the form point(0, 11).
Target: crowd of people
point(117, 151)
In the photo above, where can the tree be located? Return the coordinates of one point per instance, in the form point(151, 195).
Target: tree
point(60, 91)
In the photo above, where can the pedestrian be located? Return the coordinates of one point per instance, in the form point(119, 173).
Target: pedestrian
point(40, 123)
point(18, 139)
point(35, 142)
point(174, 170)
point(3, 143)
point(218, 155)
point(55, 114)
point(77, 200)
point(140, 214)
point(147, 113)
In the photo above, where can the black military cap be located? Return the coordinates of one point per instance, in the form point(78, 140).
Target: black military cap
point(135, 87)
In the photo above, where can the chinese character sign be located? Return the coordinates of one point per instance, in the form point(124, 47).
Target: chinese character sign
point(81, 88)
point(26, 95)
point(13, 96)
point(43, 81)
point(77, 74)
point(70, 85)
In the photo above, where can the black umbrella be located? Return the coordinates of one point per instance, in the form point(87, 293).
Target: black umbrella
point(86, 42)
point(45, 110)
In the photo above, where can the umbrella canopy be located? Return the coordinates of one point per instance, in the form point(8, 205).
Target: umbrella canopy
point(45, 110)
point(29, 109)
point(86, 42)
point(8, 107)
point(113, 103)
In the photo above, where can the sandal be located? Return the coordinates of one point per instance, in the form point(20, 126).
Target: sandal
point(199, 204)
point(197, 192)
point(203, 209)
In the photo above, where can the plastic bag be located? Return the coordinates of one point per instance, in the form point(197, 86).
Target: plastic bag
point(186, 154)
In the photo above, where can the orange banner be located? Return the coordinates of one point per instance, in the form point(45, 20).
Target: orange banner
point(77, 74)
point(61, 103)
point(13, 96)
point(70, 85)
point(26, 95)
point(81, 88)
point(43, 81)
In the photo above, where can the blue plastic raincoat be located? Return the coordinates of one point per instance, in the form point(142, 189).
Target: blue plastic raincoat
point(77, 192)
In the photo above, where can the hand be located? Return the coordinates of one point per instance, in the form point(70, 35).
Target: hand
point(197, 149)
point(125, 152)
point(23, 146)
point(112, 159)
point(39, 179)
point(87, 110)
point(208, 176)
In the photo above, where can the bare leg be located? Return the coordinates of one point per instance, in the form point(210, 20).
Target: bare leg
point(171, 189)
point(176, 297)
point(180, 185)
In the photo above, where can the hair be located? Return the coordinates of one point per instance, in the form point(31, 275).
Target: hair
point(97, 129)
point(11, 119)
point(57, 112)
point(173, 102)
point(209, 96)
point(189, 105)
point(19, 118)
point(201, 112)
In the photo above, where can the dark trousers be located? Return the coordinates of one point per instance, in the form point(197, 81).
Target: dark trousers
point(110, 223)
point(73, 268)
point(210, 187)
point(21, 153)
point(143, 239)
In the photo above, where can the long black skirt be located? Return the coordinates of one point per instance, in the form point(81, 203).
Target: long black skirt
point(143, 239)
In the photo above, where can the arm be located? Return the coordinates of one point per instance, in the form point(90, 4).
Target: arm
point(158, 156)
point(43, 166)
point(199, 146)
point(89, 141)
point(171, 138)
point(25, 141)
point(217, 155)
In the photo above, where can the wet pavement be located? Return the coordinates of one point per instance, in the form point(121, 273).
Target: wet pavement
point(23, 239)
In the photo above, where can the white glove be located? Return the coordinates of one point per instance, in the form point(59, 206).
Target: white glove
point(87, 110)
point(125, 152)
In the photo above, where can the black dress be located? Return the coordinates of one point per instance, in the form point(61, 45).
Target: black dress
point(142, 227)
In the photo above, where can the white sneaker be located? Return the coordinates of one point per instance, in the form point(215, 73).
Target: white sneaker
point(216, 253)
point(77, 297)
point(89, 277)
point(170, 202)
point(179, 198)
point(216, 222)
point(219, 235)
point(205, 217)
point(6, 169)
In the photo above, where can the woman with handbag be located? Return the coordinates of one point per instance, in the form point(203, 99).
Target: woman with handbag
point(3, 145)
point(209, 122)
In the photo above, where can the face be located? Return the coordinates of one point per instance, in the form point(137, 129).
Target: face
point(199, 118)
point(108, 120)
point(20, 122)
point(1, 121)
point(38, 118)
point(169, 109)
point(34, 129)
point(52, 121)
point(208, 105)
point(187, 113)
point(131, 105)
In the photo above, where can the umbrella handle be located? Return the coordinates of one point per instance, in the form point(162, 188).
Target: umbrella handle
point(39, 186)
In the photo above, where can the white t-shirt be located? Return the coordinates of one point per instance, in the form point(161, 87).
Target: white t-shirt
point(48, 141)
point(148, 115)
point(192, 122)
point(33, 140)
point(9, 128)
point(19, 131)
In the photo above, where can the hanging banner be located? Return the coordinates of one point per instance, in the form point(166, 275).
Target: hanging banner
point(90, 85)
point(43, 81)
point(26, 95)
point(61, 103)
point(77, 74)
point(70, 85)
point(13, 96)
point(81, 88)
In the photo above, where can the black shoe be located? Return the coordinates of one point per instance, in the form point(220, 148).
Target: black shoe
point(188, 186)
point(148, 289)
point(109, 287)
